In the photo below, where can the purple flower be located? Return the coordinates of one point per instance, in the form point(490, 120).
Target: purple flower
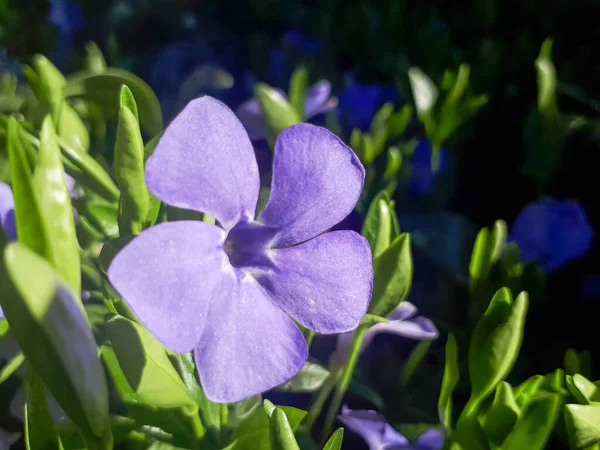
point(422, 174)
point(380, 435)
point(317, 102)
point(230, 291)
point(552, 232)
point(7, 211)
point(401, 322)
point(299, 41)
point(359, 103)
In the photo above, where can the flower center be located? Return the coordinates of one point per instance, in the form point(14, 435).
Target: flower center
point(247, 244)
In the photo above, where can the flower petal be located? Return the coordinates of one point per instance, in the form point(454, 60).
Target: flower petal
point(7, 212)
point(417, 328)
point(167, 275)
point(249, 344)
point(404, 311)
point(252, 118)
point(324, 284)
point(373, 428)
point(432, 439)
point(205, 162)
point(7, 201)
point(317, 181)
point(316, 99)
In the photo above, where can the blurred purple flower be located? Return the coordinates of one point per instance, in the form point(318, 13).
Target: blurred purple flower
point(552, 232)
point(230, 291)
point(300, 42)
point(359, 103)
point(401, 322)
point(380, 435)
point(422, 175)
point(317, 102)
point(7, 207)
point(7, 211)
point(67, 17)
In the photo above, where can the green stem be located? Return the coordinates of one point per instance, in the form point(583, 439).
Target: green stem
point(223, 419)
point(344, 380)
point(317, 406)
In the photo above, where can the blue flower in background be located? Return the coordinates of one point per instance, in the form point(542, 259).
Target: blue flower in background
point(67, 17)
point(422, 173)
point(318, 101)
point(300, 42)
point(380, 435)
point(359, 103)
point(401, 322)
point(552, 232)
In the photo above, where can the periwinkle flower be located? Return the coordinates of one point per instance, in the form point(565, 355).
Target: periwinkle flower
point(359, 103)
point(318, 101)
point(380, 435)
point(7, 211)
point(401, 322)
point(230, 291)
point(300, 42)
point(422, 171)
point(552, 232)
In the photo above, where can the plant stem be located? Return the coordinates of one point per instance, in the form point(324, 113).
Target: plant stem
point(344, 380)
point(317, 406)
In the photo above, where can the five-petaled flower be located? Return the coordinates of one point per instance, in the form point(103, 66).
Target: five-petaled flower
point(552, 232)
point(380, 435)
point(230, 291)
point(318, 101)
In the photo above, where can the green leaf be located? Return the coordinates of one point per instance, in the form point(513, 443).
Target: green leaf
point(277, 111)
point(62, 249)
point(110, 250)
point(381, 118)
point(393, 276)
point(89, 172)
point(72, 129)
point(95, 62)
point(335, 441)
point(129, 168)
point(394, 163)
point(500, 417)
point(449, 381)
point(104, 89)
point(398, 121)
point(11, 366)
point(48, 85)
point(534, 427)
point(310, 378)
point(209, 411)
point(496, 342)
point(486, 252)
point(28, 215)
point(526, 390)
point(282, 435)
point(583, 424)
point(161, 398)
point(297, 92)
point(52, 330)
point(424, 92)
point(39, 427)
point(145, 363)
point(416, 356)
point(583, 389)
point(378, 227)
point(258, 422)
